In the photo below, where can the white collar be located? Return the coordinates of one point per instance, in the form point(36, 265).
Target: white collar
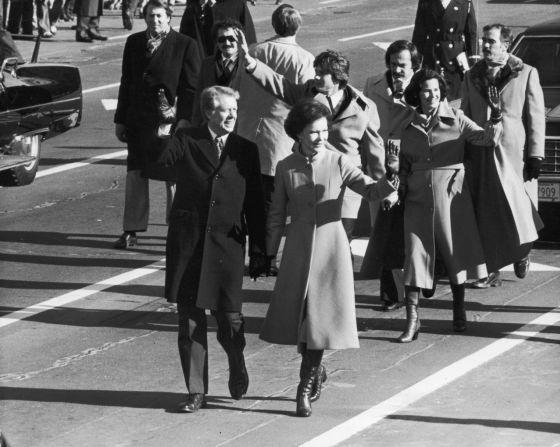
point(223, 138)
point(337, 97)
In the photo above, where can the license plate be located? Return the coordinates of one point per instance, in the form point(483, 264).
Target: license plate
point(549, 192)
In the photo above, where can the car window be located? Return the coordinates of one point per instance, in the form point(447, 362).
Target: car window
point(543, 53)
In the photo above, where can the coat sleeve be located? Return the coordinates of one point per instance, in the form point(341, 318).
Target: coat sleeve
point(419, 33)
point(277, 214)
point(487, 136)
point(123, 100)
point(534, 115)
point(279, 86)
point(188, 81)
point(174, 150)
point(254, 203)
point(372, 148)
point(360, 183)
point(471, 38)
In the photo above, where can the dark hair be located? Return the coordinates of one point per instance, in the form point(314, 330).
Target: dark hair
point(335, 64)
point(158, 4)
point(412, 92)
point(226, 23)
point(302, 114)
point(286, 20)
point(404, 45)
point(506, 36)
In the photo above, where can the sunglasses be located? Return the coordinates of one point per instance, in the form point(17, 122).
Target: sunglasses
point(224, 39)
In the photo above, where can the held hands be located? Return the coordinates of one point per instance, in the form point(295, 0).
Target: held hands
point(120, 132)
point(495, 107)
point(392, 159)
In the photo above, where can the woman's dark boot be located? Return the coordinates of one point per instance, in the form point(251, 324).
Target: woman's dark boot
point(412, 320)
point(310, 365)
point(320, 378)
point(459, 313)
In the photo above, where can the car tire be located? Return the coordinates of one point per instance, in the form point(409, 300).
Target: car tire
point(25, 174)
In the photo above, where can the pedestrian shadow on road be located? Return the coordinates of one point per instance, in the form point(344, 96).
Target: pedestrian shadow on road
point(545, 427)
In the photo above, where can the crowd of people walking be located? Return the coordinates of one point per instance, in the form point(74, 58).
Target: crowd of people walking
point(444, 145)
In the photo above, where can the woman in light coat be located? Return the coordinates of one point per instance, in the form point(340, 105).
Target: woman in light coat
point(313, 304)
point(439, 216)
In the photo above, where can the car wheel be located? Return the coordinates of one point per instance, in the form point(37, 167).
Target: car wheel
point(25, 174)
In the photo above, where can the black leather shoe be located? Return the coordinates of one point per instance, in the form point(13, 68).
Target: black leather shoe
point(493, 280)
point(521, 268)
point(238, 378)
point(81, 36)
point(127, 239)
point(194, 402)
point(93, 34)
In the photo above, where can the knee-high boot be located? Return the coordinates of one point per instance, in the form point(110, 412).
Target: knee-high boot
point(310, 364)
point(459, 313)
point(412, 320)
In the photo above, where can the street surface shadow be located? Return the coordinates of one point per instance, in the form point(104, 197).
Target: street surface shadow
point(444, 327)
point(63, 161)
point(87, 240)
point(73, 261)
point(546, 427)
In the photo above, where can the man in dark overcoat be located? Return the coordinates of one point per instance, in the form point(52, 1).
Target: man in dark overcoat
point(156, 60)
point(219, 201)
point(445, 34)
point(200, 15)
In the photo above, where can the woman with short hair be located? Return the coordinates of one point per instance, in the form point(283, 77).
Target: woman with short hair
point(312, 305)
point(438, 212)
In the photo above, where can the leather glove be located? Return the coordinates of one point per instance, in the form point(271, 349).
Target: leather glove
point(532, 168)
point(166, 111)
point(392, 159)
point(258, 266)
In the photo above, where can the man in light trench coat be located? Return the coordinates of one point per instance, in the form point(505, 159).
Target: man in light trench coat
point(504, 181)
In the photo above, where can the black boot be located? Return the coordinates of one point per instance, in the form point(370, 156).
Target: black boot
point(412, 320)
point(320, 378)
point(459, 314)
point(310, 363)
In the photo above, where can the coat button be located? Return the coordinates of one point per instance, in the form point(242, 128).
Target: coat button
point(429, 185)
point(450, 30)
point(213, 203)
point(438, 30)
point(450, 45)
point(437, 45)
point(437, 62)
point(209, 229)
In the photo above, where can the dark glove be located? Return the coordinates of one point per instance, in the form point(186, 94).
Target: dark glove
point(532, 168)
point(258, 266)
point(392, 159)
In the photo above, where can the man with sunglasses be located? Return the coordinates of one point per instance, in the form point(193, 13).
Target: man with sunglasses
point(200, 16)
point(220, 68)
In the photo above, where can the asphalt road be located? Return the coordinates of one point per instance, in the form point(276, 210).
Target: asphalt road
point(88, 346)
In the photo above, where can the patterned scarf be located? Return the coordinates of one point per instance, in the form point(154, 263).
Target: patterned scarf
point(155, 41)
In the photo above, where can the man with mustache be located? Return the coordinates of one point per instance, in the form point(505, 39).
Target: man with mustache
point(384, 256)
point(504, 181)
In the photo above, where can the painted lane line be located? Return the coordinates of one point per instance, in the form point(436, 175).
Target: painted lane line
point(79, 294)
point(433, 383)
point(79, 164)
point(363, 36)
point(101, 87)
point(328, 2)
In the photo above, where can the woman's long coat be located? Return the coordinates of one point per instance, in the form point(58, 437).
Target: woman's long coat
point(313, 299)
point(217, 204)
point(352, 132)
point(438, 212)
point(175, 66)
point(506, 204)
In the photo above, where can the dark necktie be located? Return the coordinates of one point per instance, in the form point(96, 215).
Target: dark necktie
point(218, 145)
point(331, 105)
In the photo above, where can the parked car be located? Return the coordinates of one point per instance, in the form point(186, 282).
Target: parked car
point(539, 46)
point(37, 101)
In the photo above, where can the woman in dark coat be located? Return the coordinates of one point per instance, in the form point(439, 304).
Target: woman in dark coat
point(160, 72)
point(438, 211)
point(313, 304)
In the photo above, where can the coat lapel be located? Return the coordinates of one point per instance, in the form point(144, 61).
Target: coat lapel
point(206, 146)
